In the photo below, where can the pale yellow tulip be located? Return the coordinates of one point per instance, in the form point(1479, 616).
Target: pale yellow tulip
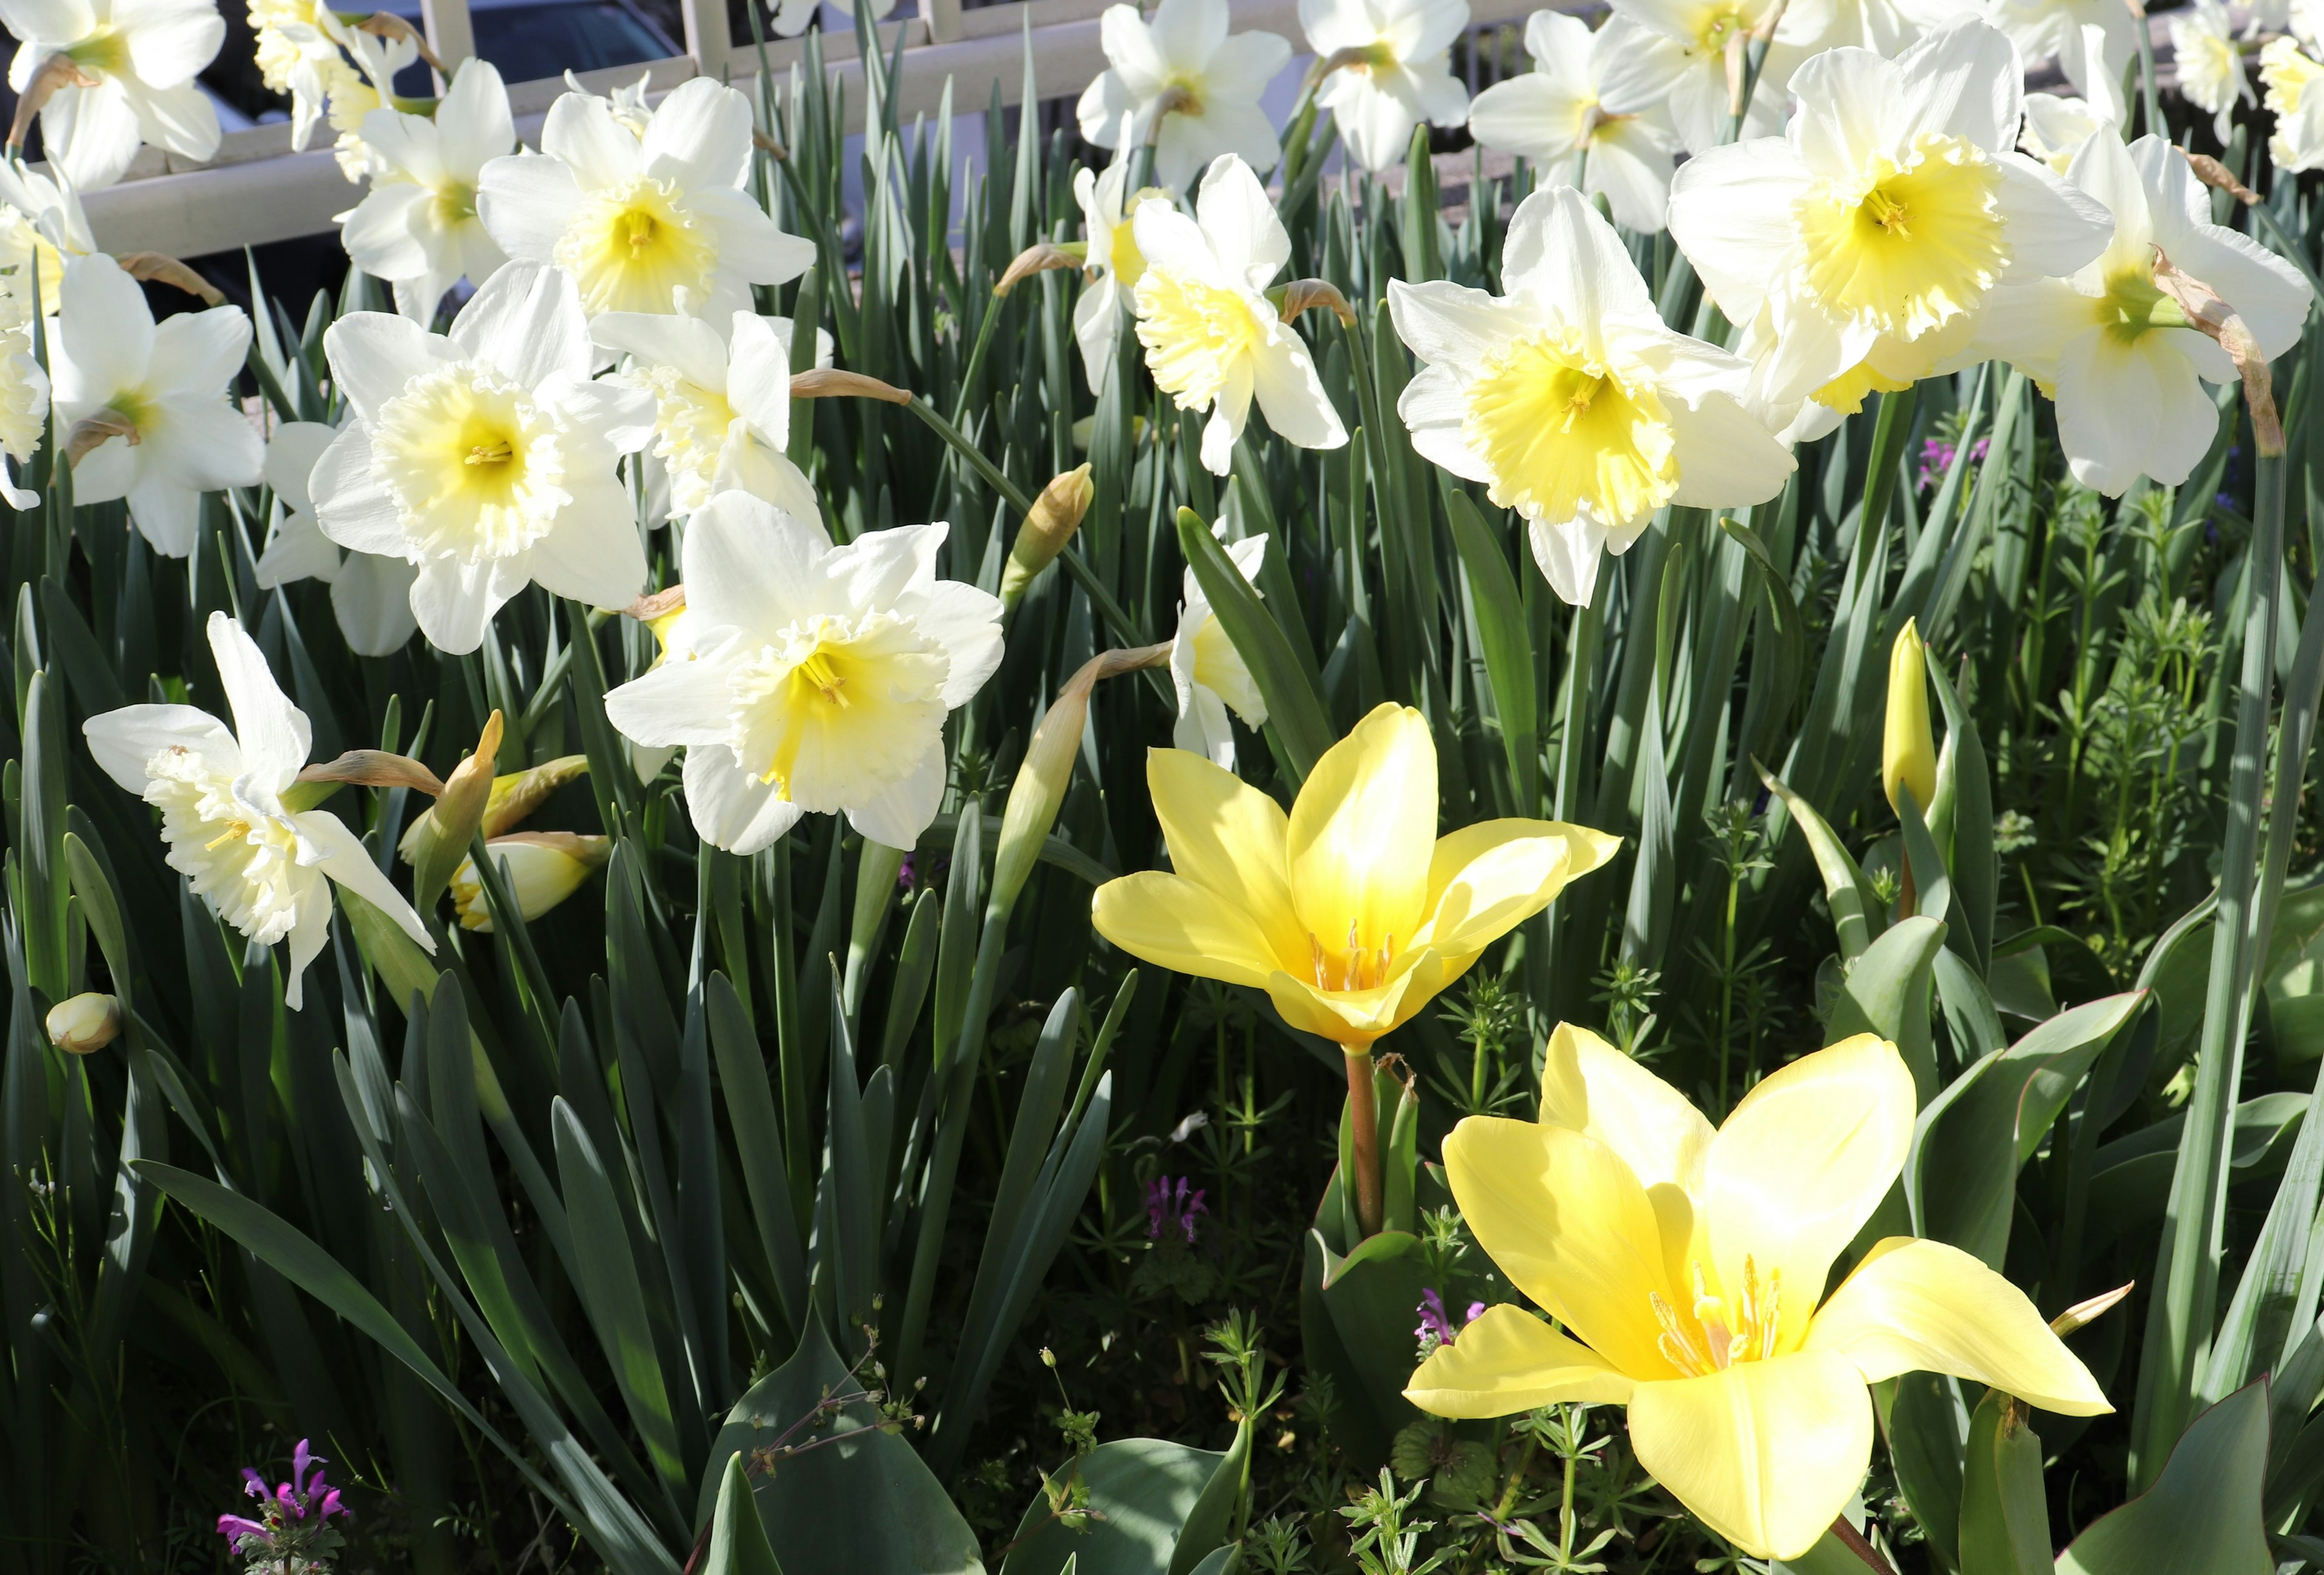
point(1908, 754)
point(1685, 1265)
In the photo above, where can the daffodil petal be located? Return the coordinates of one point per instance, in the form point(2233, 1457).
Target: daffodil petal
point(1767, 1454)
point(1802, 1163)
point(1486, 879)
point(1564, 1217)
point(1363, 831)
point(1172, 922)
point(1228, 837)
point(1507, 1361)
point(1923, 1306)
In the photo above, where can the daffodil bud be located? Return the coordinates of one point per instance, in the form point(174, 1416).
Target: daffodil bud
point(440, 838)
point(1908, 754)
point(542, 870)
point(1039, 789)
point(84, 1024)
point(520, 792)
point(1057, 515)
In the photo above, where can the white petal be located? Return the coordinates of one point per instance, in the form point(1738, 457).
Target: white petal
point(898, 814)
point(527, 321)
point(730, 808)
point(347, 861)
point(272, 733)
point(121, 741)
point(371, 598)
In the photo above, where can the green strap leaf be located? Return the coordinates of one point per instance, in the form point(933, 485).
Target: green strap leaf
point(1295, 707)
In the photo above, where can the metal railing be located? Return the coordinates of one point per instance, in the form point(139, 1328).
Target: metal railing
point(256, 189)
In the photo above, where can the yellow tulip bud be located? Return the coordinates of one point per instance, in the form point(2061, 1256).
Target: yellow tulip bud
point(542, 870)
point(86, 1023)
point(439, 839)
point(1908, 754)
point(1057, 515)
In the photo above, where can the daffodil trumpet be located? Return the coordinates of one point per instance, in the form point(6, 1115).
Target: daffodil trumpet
point(1685, 1267)
point(1350, 912)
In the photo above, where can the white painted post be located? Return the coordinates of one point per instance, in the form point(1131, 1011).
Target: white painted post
point(708, 38)
point(450, 34)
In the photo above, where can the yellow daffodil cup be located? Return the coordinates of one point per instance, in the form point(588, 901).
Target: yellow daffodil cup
point(1351, 912)
point(1684, 1269)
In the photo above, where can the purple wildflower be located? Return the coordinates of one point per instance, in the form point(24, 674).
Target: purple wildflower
point(1436, 1326)
point(1173, 1211)
point(1937, 458)
point(294, 1531)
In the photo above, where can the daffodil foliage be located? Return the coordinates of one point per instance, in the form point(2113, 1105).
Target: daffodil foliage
point(1477, 793)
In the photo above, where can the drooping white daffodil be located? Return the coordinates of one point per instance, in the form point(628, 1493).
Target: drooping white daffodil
point(2210, 65)
point(417, 227)
point(2053, 30)
point(1857, 250)
point(722, 406)
point(1389, 69)
point(297, 49)
point(1207, 670)
point(1185, 86)
point(262, 867)
point(2056, 127)
point(1594, 99)
point(658, 224)
point(1214, 341)
point(1569, 398)
point(2113, 350)
point(1887, 27)
point(812, 678)
point(41, 219)
point(2288, 72)
point(1113, 266)
point(370, 86)
point(485, 459)
point(139, 57)
point(164, 393)
point(1691, 80)
point(371, 595)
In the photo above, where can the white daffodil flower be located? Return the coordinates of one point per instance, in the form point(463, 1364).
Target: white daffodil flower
point(1186, 87)
point(41, 218)
point(2288, 72)
point(628, 106)
point(2114, 351)
point(1591, 99)
point(722, 406)
point(658, 224)
point(2048, 30)
point(1210, 675)
point(1887, 27)
point(2210, 65)
point(23, 411)
point(486, 458)
point(2304, 19)
point(166, 390)
point(1113, 265)
point(1214, 341)
point(1857, 250)
point(298, 53)
point(371, 595)
point(2057, 127)
point(1389, 69)
point(261, 867)
point(417, 227)
point(1690, 79)
point(1569, 398)
point(813, 678)
point(142, 55)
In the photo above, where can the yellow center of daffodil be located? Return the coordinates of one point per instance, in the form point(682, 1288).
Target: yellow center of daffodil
point(1195, 334)
point(471, 464)
point(454, 203)
point(1561, 432)
point(1351, 912)
point(691, 424)
point(102, 54)
point(1912, 243)
point(240, 858)
point(2287, 72)
point(836, 703)
point(1846, 392)
point(1716, 25)
point(632, 248)
point(2131, 304)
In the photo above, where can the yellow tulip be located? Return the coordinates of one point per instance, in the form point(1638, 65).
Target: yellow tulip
point(1352, 912)
point(1684, 1265)
point(1908, 754)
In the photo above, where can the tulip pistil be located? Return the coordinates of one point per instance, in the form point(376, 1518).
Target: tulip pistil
point(1746, 1331)
point(1360, 967)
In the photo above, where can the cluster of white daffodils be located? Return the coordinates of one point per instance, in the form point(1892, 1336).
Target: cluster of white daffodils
point(417, 228)
point(1595, 103)
point(116, 74)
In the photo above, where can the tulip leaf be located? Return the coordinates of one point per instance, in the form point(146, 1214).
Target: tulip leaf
point(2004, 1515)
point(1886, 992)
point(2203, 1512)
point(1927, 1427)
point(1508, 649)
point(1856, 913)
point(1962, 776)
point(738, 1537)
point(1932, 884)
point(1157, 1506)
point(1295, 706)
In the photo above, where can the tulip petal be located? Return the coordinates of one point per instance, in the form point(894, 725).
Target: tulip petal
point(1802, 1163)
point(1767, 1454)
point(1486, 879)
point(1355, 1018)
point(1562, 1216)
point(1923, 1306)
point(1228, 837)
point(1172, 922)
point(1364, 828)
point(1589, 1087)
point(1507, 1361)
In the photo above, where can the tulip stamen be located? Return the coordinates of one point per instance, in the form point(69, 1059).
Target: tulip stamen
point(1677, 1349)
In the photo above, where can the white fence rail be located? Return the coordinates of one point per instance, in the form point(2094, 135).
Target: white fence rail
point(256, 189)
